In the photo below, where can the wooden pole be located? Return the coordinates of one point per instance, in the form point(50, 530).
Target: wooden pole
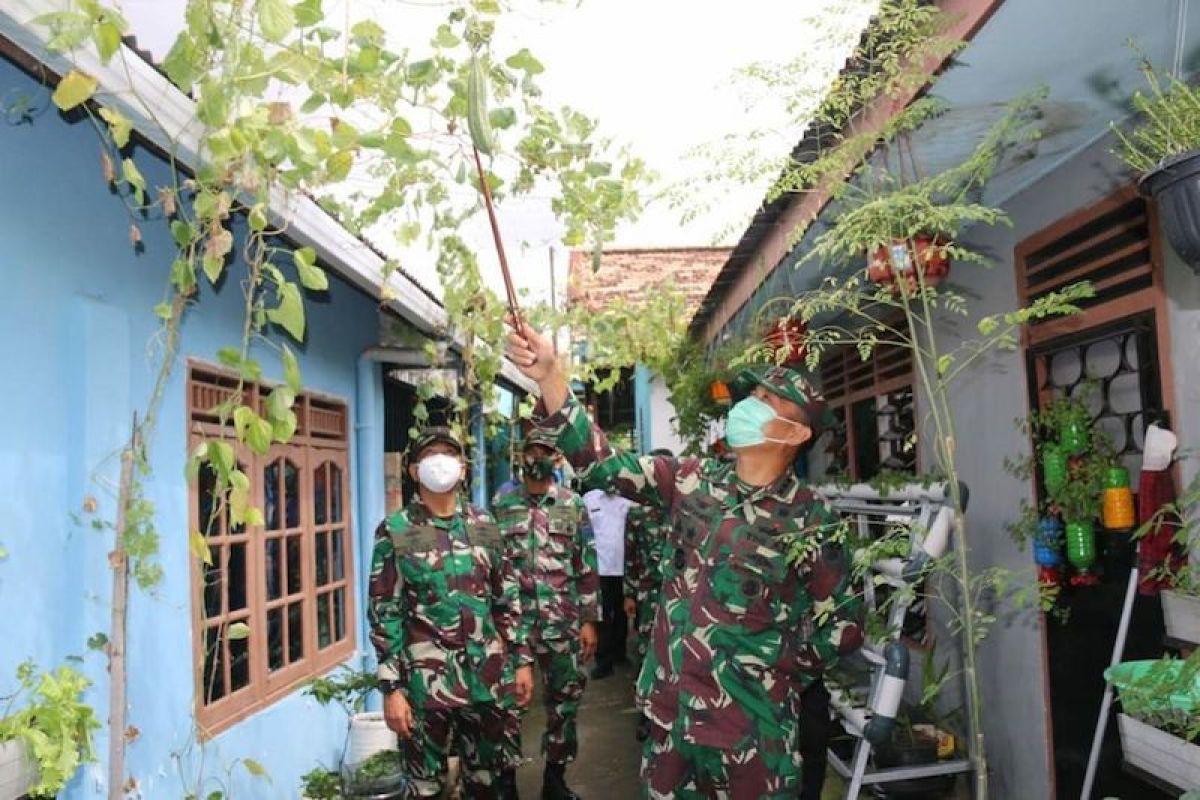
point(513, 307)
point(119, 560)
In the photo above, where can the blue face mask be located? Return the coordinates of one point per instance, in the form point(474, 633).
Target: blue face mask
point(746, 420)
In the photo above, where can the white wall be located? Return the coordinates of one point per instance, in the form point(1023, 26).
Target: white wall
point(662, 428)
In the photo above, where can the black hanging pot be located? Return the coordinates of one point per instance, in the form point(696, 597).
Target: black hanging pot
point(1175, 187)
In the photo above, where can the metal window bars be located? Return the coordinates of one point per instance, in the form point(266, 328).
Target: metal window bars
point(927, 515)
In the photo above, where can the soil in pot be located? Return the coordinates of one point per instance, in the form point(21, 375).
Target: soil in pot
point(911, 751)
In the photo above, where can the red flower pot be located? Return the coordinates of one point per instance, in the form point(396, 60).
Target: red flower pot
point(786, 340)
point(890, 262)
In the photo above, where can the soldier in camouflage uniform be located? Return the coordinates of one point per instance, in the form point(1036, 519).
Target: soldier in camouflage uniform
point(545, 528)
point(644, 544)
point(445, 615)
point(756, 600)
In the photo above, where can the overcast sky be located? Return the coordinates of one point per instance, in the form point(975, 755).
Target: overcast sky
point(656, 73)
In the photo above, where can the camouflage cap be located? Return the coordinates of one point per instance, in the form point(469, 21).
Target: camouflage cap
point(540, 437)
point(432, 435)
point(791, 385)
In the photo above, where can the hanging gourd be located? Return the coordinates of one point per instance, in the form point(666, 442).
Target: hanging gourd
point(1074, 433)
point(891, 264)
point(1118, 500)
point(1047, 550)
point(719, 390)
point(1081, 551)
point(1054, 467)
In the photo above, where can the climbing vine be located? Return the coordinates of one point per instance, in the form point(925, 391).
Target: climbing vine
point(289, 102)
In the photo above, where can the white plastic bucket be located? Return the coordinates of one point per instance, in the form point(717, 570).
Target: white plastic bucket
point(369, 734)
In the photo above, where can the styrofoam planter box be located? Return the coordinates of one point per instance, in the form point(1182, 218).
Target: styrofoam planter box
point(1181, 613)
point(1159, 753)
point(17, 770)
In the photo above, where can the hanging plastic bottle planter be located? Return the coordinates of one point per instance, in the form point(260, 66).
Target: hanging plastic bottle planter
point(1054, 467)
point(1118, 512)
point(1074, 434)
point(1081, 552)
point(891, 265)
point(1047, 551)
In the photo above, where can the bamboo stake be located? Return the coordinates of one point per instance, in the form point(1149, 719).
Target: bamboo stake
point(119, 560)
point(513, 307)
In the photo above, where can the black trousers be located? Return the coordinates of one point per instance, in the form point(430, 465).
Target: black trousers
point(615, 625)
point(815, 730)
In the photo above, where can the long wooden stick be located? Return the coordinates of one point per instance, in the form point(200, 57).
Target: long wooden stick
point(119, 559)
point(513, 307)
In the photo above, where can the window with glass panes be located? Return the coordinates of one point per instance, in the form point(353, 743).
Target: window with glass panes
point(287, 582)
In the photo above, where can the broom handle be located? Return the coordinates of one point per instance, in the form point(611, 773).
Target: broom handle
point(513, 308)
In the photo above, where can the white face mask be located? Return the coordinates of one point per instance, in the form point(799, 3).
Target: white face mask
point(440, 472)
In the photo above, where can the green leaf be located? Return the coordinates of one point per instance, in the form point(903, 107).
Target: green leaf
point(289, 314)
point(220, 455)
point(502, 118)
point(238, 630)
point(280, 402)
point(199, 548)
point(73, 90)
point(97, 641)
point(276, 19)
point(163, 311)
point(182, 232)
point(284, 428)
point(180, 63)
point(338, 165)
point(213, 267)
point(291, 369)
point(524, 61)
point(445, 38)
point(257, 217)
point(133, 176)
point(254, 768)
point(118, 124)
point(107, 36)
point(422, 73)
point(308, 13)
point(312, 277)
point(944, 363)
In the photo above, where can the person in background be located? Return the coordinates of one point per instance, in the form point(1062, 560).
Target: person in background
point(756, 596)
point(644, 537)
point(545, 529)
point(607, 511)
point(445, 616)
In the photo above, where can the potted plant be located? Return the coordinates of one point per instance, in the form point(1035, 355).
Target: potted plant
point(1180, 602)
point(368, 732)
point(1163, 147)
point(380, 777)
point(321, 784)
point(44, 743)
point(897, 260)
point(1160, 719)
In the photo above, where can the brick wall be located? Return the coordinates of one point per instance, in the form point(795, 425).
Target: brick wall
point(629, 274)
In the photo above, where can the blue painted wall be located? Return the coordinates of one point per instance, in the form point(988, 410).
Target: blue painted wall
point(78, 349)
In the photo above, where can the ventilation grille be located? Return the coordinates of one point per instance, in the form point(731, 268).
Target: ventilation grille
point(1110, 249)
point(845, 377)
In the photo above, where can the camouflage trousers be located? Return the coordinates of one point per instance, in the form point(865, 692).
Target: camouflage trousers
point(477, 731)
point(563, 681)
point(676, 769)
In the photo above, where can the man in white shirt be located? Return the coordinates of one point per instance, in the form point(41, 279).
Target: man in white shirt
point(607, 511)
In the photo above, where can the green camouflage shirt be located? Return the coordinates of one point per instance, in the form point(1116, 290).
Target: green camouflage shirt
point(551, 543)
point(444, 607)
point(739, 631)
point(645, 530)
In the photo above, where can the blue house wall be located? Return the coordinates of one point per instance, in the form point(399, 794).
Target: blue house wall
point(79, 350)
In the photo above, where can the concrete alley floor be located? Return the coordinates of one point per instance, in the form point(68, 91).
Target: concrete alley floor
point(609, 755)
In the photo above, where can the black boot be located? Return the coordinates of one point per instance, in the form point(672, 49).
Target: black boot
point(507, 785)
point(554, 784)
point(643, 728)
